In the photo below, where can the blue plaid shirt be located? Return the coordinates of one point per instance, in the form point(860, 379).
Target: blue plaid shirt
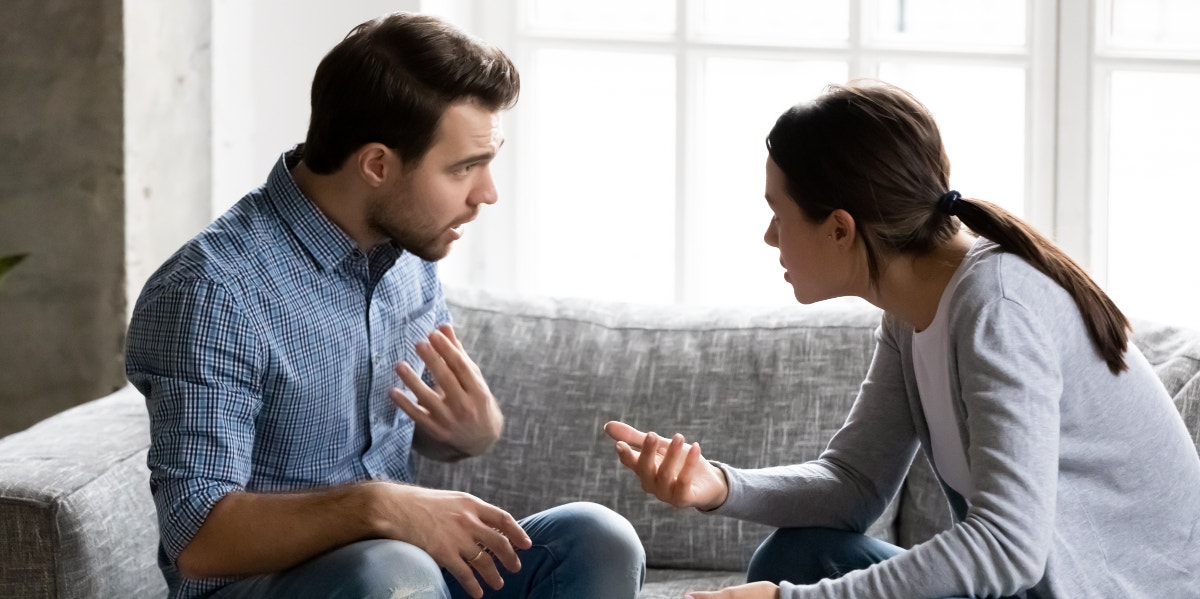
point(264, 348)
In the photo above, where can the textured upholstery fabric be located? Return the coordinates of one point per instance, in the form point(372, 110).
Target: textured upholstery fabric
point(755, 387)
point(76, 517)
point(672, 584)
point(1175, 354)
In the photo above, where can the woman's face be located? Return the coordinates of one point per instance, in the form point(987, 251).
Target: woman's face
point(808, 251)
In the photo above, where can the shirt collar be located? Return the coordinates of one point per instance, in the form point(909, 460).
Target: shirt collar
point(327, 243)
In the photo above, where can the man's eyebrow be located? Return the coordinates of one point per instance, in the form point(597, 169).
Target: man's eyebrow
point(480, 157)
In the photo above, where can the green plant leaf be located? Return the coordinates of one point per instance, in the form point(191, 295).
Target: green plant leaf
point(8, 262)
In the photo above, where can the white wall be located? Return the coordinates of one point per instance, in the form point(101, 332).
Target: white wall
point(264, 55)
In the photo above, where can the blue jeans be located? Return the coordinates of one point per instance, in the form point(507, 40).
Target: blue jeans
point(580, 550)
point(809, 555)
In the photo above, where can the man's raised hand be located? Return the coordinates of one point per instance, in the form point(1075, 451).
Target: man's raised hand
point(458, 416)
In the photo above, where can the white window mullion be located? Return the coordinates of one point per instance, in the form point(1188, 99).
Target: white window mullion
point(1096, 216)
point(859, 64)
point(1042, 34)
point(1074, 217)
point(685, 90)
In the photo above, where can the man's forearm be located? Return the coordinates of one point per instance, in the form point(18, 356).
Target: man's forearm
point(257, 533)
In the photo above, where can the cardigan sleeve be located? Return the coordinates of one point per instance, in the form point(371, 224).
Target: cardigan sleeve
point(860, 471)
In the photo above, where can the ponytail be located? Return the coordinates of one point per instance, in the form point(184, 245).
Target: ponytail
point(1106, 325)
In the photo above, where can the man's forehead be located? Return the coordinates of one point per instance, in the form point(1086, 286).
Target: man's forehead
point(467, 124)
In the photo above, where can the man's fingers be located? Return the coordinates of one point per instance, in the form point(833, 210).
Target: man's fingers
point(443, 375)
point(426, 397)
point(504, 524)
point(448, 331)
point(485, 565)
point(465, 575)
point(418, 413)
point(501, 549)
point(456, 360)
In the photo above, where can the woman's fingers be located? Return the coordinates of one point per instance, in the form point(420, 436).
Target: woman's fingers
point(619, 431)
point(628, 455)
point(647, 466)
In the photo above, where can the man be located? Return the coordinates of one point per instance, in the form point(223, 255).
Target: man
point(294, 354)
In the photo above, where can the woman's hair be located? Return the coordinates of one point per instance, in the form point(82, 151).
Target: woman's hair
point(391, 79)
point(873, 150)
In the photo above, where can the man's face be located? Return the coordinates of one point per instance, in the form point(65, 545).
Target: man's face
point(424, 210)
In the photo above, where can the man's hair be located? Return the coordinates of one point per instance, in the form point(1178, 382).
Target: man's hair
point(391, 79)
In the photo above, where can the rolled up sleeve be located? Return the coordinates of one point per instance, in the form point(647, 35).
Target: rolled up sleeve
point(195, 357)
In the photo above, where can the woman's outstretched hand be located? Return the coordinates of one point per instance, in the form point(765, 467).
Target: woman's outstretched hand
point(754, 590)
point(671, 470)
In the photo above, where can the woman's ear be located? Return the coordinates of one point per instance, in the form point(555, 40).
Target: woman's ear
point(841, 227)
point(375, 162)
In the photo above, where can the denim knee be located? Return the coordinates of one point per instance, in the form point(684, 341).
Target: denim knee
point(807, 555)
point(594, 550)
point(598, 534)
point(384, 569)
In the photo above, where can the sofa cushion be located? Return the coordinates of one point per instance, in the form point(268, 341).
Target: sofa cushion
point(1175, 354)
point(76, 516)
point(755, 387)
point(672, 584)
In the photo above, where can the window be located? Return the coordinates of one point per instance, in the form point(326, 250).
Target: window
point(635, 167)
point(1147, 147)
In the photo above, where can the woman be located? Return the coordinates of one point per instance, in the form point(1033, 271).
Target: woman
point(1069, 469)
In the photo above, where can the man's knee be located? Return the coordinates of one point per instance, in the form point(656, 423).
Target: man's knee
point(598, 533)
point(385, 569)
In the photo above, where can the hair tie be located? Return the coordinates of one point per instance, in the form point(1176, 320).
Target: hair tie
point(948, 203)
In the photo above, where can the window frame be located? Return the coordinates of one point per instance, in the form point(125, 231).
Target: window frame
point(1067, 122)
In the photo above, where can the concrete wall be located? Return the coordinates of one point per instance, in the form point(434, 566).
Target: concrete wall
point(61, 199)
point(125, 125)
point(105, 169)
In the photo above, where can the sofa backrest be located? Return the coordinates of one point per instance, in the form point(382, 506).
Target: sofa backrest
point(756, 387)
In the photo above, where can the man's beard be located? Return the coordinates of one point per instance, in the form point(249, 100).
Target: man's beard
point(420, 237)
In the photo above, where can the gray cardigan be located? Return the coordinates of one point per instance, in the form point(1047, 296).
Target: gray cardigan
point(1087, 484)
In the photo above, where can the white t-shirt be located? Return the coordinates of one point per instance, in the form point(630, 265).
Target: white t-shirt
point(931, 361)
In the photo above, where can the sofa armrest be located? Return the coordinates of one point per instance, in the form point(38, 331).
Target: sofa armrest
point(76, 516)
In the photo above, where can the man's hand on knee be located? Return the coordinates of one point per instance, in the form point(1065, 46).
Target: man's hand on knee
point(461, 532)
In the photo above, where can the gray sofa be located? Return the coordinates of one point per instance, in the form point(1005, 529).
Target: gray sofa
point(755, 386)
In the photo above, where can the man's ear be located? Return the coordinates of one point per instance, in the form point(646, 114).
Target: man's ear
point(842, 227)
point(374, 163)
